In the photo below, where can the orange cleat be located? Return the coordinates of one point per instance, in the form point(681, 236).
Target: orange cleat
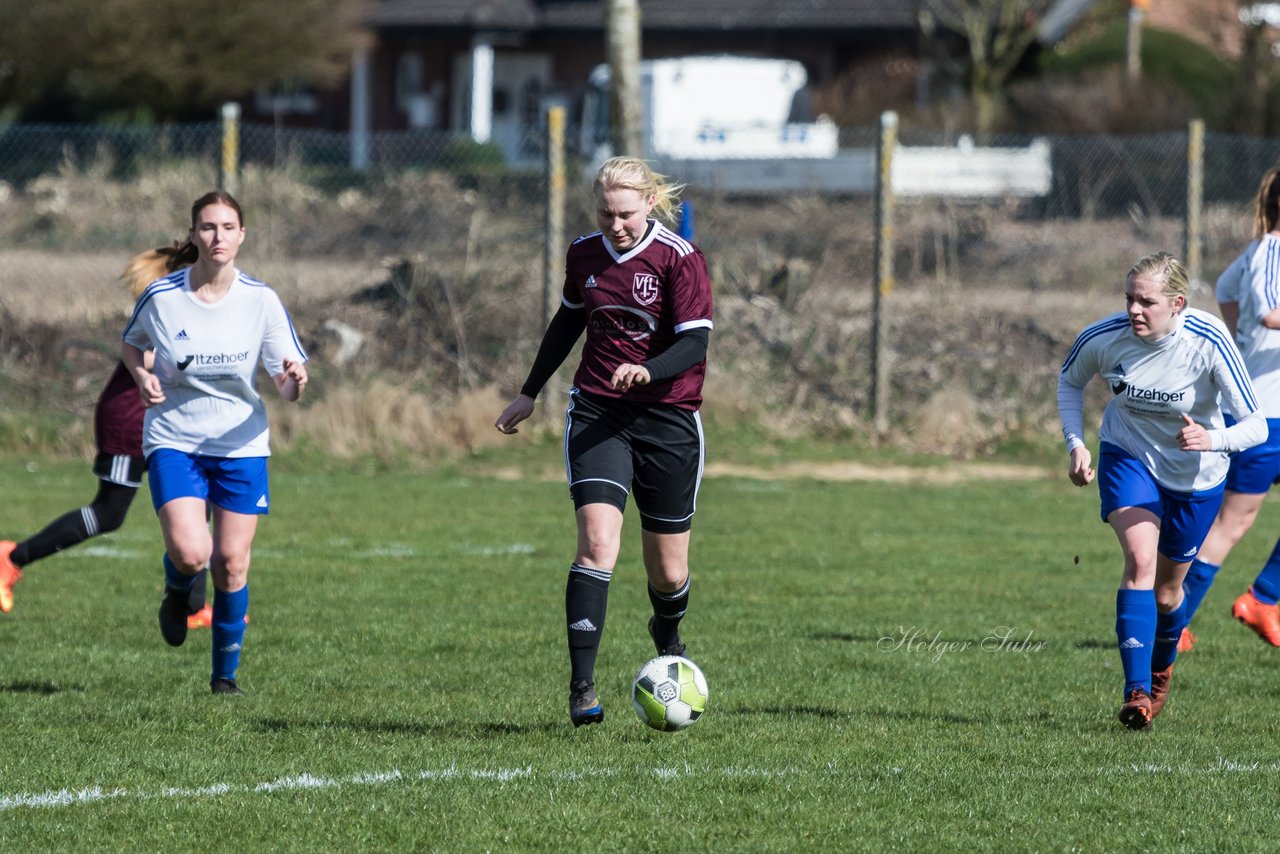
point(203, 619)
point(1160, 689)
point(1136, 711)
point(1262, 618)
point(9, 575)
point(1186, 641)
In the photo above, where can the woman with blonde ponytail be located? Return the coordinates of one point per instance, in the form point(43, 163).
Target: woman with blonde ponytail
point(206, 432)
point(642, 295)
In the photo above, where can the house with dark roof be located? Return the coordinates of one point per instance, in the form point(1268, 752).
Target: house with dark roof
point(418, 71)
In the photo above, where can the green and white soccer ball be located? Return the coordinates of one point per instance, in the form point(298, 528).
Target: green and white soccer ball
point(669, 693)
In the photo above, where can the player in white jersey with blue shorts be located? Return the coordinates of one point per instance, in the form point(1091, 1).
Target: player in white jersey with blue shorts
point(1162, 457)
point(1248, 295)
point(205, 433)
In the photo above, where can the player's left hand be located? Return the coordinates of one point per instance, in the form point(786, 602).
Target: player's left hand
point(1193, 437)
point(297, 372)
point(627, 376)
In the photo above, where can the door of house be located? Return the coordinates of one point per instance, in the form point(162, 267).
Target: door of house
point(520, 85)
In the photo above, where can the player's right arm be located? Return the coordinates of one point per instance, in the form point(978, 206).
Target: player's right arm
point(562, 333)
point(1081, 366)
point(135, 362)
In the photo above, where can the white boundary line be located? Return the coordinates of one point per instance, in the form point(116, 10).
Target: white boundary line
point(93, 794)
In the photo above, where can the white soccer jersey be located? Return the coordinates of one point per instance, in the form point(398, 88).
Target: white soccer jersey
point(1257, 292)
point(207, 356)
point(1155, 384)
point(1231, 282)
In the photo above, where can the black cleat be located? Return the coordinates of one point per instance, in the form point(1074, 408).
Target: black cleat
point(221, 685)
point(584, 706)
point(675, 647)
point(173, 616)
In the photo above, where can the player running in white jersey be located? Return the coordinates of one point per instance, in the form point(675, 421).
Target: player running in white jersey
point(1162, 457)
point(643, 296)
point(1249, 297)
point(205, 433)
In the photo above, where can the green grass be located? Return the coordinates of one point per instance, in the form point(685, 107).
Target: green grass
point(407, 681)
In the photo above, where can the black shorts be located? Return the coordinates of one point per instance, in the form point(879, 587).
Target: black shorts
point(613, 447)
point(121, 469)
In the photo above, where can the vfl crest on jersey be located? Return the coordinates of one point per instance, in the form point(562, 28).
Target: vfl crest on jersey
point(645, 288)
point(1118, 385)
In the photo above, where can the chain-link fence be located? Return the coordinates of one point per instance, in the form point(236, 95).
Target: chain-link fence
point(431, 255)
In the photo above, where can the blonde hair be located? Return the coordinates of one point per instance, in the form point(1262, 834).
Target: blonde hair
point(145, 267)
point(1166, 268)
point(1266, 208)
point(632, 173)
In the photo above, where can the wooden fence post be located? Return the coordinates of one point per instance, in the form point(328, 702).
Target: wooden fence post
point(885, 145)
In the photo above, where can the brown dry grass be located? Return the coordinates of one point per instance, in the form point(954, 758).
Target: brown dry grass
point(444, 287)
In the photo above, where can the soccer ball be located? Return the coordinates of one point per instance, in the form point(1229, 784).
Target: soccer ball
point(669, 693)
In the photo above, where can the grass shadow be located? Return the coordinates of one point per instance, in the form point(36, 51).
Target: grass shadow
point(44, 689)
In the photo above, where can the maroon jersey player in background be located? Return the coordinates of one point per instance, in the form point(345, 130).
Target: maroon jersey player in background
point(119, 464)
point(643, 296)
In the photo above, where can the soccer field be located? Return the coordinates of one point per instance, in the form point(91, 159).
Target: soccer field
point(903, 666)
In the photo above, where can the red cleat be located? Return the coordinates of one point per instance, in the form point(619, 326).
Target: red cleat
point(9, 575)
point(1262, 618)
point(1186, 641)
point(1160, 689)
point(1136, 711)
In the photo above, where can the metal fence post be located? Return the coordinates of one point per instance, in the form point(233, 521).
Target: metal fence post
point(230, 147)
point(885, 144)
point(1192, 232)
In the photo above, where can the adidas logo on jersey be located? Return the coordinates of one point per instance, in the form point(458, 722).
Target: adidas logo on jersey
point(1119, 385)
point(262, 501)
point(1131, 643)
point(591, 282)
point(182, 336)
point(583, 625)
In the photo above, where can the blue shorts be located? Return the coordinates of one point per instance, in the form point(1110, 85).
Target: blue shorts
point(1185, 517)
point(238, 484)
point(1255, 469)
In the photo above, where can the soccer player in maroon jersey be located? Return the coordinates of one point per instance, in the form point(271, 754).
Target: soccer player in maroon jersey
point(119, 464)
point(643, 296)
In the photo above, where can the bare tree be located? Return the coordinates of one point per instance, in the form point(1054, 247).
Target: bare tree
point(998, 34)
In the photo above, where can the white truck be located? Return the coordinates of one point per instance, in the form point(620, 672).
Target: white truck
point(742, 125)
point(704, 108)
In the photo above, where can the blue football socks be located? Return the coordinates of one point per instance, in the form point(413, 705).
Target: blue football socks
point(1168, 630)
point(228, 631)
point(1199, 579)
point(1135, 636)
point(1266, 587)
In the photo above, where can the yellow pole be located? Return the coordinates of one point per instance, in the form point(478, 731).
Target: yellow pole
point(230, 146)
